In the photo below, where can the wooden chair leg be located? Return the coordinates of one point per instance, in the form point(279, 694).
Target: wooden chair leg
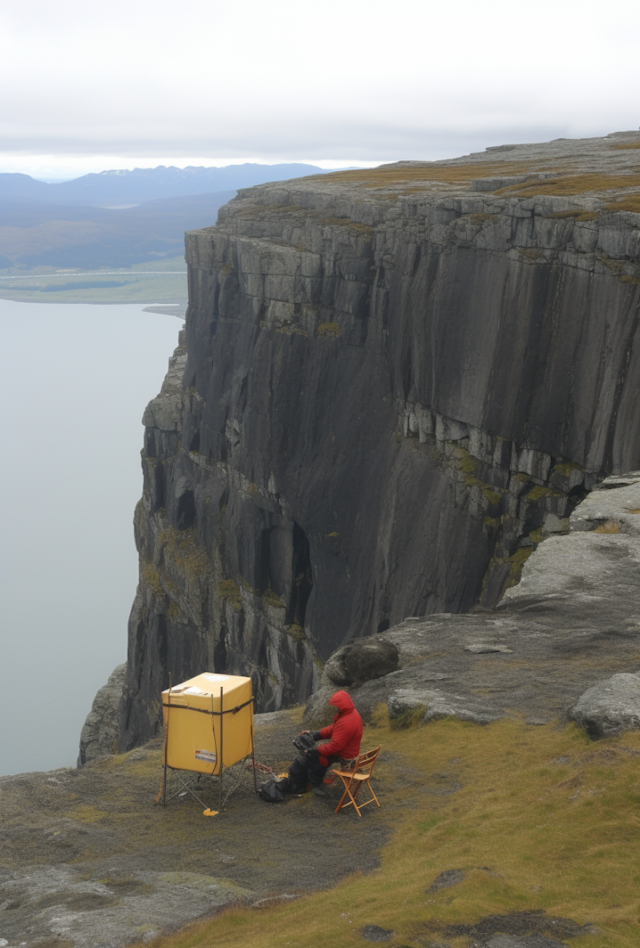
point(346, 790)
point(352, 796)
point(355, 794)
point(373, 793)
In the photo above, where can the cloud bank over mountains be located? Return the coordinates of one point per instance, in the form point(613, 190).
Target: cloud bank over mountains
point(346, 79)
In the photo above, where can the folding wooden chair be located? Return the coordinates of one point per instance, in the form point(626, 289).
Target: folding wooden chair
point(361, 774)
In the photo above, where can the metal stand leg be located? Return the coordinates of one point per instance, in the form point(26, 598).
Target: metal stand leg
point(253, 761)
point(166, 746)
point(187, 785)
point(221, 766)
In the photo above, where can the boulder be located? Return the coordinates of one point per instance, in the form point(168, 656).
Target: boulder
point(100, 731)
point(610, 706)
point(361, 660)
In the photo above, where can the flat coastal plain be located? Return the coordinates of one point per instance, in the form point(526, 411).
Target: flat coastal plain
point(162, 282)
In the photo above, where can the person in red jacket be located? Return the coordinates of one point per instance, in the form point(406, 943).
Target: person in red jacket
point(342, 738)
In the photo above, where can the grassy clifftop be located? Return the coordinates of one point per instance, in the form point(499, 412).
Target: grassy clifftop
point(539, 823)
point(538, 819)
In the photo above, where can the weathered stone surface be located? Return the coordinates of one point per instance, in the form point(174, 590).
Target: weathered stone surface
point(101, 730)
point(376, 933)
point(522, 941)
point(61, 903)
point(609, 707)
point(532, 929)
point(393, 392)
point(446, 880)
point(575, 609)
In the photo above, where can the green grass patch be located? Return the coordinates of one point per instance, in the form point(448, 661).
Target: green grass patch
point(492, 494)
point(516, 562)
point(87, 814)
point(409, 718)
point(329, 329)
point(182, 547)
point(538, 535)
point(151, 577)
point(355, 227)
point(465, 461)
point(482, 218)
point(271, 598)
point(543, 820)
point(570, 184)
point(295, 631)
point(630, 202)
point(538, 493)
point(228, 589)
point(566, 469)
point(427, 173)
point(577, 214)
point(529, 254)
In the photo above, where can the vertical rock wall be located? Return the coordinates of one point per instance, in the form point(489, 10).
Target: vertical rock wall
point(378, 409)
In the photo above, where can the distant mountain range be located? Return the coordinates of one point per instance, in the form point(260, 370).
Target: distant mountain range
point(113, 188)
point(118, 218)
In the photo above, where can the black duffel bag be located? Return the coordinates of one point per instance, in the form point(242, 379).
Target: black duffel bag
point(275, 790)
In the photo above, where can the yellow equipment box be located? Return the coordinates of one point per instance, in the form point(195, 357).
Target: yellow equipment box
point(208, 719)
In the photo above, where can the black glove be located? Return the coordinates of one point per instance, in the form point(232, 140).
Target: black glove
point(316, 735)
point(303, 741)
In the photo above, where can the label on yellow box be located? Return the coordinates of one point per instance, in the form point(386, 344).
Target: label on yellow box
point(206, 755)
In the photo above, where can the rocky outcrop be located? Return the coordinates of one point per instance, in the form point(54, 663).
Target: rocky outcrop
point(362, 660)
point(573, 614)
point(101, 730)
point(609, 707)
point(392, 387)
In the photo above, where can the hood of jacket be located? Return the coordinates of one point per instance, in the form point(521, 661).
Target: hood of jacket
point(342, 702)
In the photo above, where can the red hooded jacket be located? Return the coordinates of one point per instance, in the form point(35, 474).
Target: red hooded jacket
point(345, 732)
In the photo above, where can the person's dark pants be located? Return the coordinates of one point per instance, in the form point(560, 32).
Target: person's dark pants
point(315, 769)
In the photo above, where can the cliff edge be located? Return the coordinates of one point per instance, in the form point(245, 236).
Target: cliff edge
point(393, 385)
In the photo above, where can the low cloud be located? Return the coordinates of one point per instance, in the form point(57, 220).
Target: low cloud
point(353, 80)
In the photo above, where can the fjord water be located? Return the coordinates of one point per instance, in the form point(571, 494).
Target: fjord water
point(75, 380)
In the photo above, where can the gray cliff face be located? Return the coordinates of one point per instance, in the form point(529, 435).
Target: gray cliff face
point(542, 653)
point(390, 390)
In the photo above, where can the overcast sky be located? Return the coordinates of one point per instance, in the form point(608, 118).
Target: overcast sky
point(135, 82)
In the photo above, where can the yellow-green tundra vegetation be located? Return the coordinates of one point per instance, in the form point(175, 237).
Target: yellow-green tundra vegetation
point(538, 818)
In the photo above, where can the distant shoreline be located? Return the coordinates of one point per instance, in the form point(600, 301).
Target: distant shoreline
point(161, 286)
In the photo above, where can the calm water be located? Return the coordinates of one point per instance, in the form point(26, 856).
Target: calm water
point(74, 382)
